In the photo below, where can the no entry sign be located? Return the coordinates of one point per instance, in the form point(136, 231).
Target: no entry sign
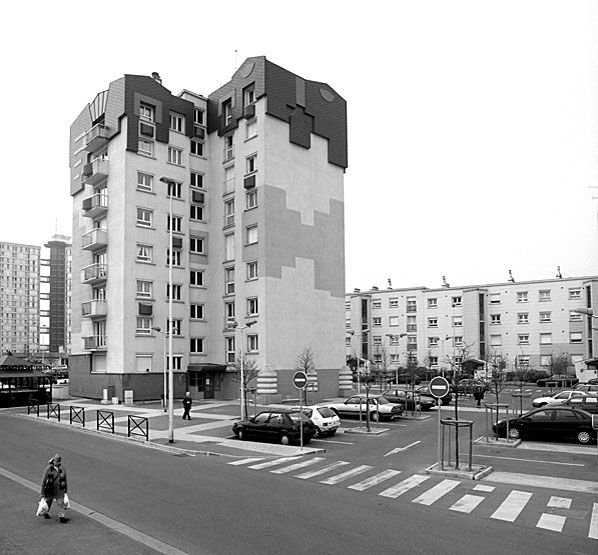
point(439, 387)
point(300, 380)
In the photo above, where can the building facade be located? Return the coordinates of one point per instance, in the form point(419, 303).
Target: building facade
point(530, 323)
point(248, 184)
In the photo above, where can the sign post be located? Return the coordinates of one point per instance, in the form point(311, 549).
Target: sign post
point(300, 382)
point(439, 388)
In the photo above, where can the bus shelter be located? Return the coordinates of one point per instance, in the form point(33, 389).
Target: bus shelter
point(21, 380)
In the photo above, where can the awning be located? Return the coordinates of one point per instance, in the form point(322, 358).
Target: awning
point(591, 362)
point(207, 367)
point(6, 374)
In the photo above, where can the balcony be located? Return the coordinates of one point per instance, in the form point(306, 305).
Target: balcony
point(94, 308)
point(95, 206)
point(96, 137)
point(94, 274)
point(94, 343)
point(94, 239)
point(95, 172)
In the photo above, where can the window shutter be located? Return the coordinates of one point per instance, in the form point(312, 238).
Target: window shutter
point(177, 242)
point(249, 182)
point(145, 309)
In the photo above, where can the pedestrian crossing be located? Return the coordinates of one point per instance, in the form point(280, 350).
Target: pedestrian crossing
point(547, 512)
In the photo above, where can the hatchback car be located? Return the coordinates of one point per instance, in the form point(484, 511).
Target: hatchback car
point(555, 422)
point(408, 400)
point(281, 426)
point(558, 380)
point(380, 408)
point(325, 419)
point(557, 398)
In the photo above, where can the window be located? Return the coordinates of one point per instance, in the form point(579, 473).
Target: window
point(175, 156)
point(176, 291)
point(197, 245)
point(145, 147)
point(575, 293)
point(251, 235)
point(143, 363)
point(229, 247)
point(144, 325)
point(522, 296)
point(251, 199)
point(495, 340)
point(229, 343)
point(196, 311)
point(174, 190)
point(249, 94)
point(457, 341)
point(252, 270)
point(377, 340)
point(411, 304)
point(523, 361)
point(392, 321)
point(174, 221)
point(199, 116)
point(393, 302)
point(545, 360)
point(177, 123)
point(144, 253)
point(146, 112)
point(227, 111)
point(229, 152)
point(177, 362)
point(229, 281)
point(252, 306)
point(433, 341)
point(411, 323)
point(457, 321)
point(252, 343)
point(433, 361)
point(196, 147)
point(145, 182)
point(229, 179)
point(229, 212)
point(196, 212)
point(432, 322)
point(544, 295)
point(196, 345)
point(144, 289)
point(545, 317)
point(176, 326)
point(394, 358)
point(495, 318)
point(229, 314)
point(196, 278)
point(523, 339)
point(377, 321)
point(196, 180)
point(251, 164)
point(412, 343)
point(494, 298)
point(546, 339)
point(575, 317)
point(433, 303)
point(457, 301)
point(176, 257)
point(251, 128)
point(523, 318)
point(575, 337)
point(376, 303)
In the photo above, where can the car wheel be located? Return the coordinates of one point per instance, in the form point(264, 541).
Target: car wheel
point(584, 437)
point(241, 434)
point(284, 439)
point(514, 433)
point(375, 417)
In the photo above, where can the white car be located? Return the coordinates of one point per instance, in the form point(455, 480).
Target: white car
point(324, 418)
point(557, 398)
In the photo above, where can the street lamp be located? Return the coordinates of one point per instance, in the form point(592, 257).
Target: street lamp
point(159, 330)
point(242, 377)
point(587, 311)
point(170, 183)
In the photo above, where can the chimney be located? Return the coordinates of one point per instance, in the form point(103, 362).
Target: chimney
point(374, 288)
point(156, 76)
point(356, 290)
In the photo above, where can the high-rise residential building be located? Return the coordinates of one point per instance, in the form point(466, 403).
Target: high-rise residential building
point(528, 322)
point(248, 184)
point(19, 299)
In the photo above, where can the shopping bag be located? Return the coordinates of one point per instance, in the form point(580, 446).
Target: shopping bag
point(42, 507)
point(66, 502)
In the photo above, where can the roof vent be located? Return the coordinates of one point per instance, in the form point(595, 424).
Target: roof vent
point(356, 290)
point(156, 76)
point(374, 288)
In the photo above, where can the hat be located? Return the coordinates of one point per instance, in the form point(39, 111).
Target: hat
point(56, 459)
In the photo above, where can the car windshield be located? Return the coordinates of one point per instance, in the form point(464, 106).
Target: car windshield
point(296, 416)
point(326, 412)
point(382, 401)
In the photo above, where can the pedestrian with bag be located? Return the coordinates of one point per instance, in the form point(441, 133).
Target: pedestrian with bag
point(478, 395)
point(187, 402)
point(54, 487)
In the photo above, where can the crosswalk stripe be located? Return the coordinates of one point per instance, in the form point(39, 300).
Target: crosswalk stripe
point(436, 492)
point(560, 502)
point(512, 506)
point(296, 466)
point(344, 475)
point(313, 473)
point(404, 486)
point(246, 461)
point(481, 487)
point(594, 523)
point(374, 480)
point(467, 503)
point(272, 463)
point(551, 522)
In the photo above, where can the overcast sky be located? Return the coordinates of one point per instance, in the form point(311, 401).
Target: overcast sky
point(473, 125)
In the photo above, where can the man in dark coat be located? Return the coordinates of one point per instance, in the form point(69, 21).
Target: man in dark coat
point(54, 486)
point(478, 394)
point(187, 402)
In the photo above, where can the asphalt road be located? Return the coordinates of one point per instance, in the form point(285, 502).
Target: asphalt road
point(208, 505)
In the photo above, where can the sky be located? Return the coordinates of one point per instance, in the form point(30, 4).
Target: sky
point(472, 125)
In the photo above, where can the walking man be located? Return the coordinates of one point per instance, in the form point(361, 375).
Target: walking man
point(187, 402)
point(54, 486)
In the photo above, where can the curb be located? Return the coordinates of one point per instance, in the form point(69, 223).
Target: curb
point(481, 472)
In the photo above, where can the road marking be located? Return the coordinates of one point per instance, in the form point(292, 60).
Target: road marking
point(246, 461)
point(537, 481)
point(435, 493)
point(594, 523)
point(296, 466)
point(314, 473)
point(333, 441)
point(374, 480)
point(348, 474)
point(404, 486)
point(467, 503)
point(272, 463)
point(512, 506)
point(551, 522)
point(481, 487)
point(397, 449)
point(560, 502)
point(529, 460)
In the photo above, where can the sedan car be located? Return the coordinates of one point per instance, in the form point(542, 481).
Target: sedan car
point(380, 408)
point(550, 423)
point(588, 403)
point(424, 391)
point(557, 398)
point(282, 426)
point(325, 419)
point(408, 400)
point(558, 380)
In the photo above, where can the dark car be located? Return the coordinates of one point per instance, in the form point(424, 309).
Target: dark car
point(550, 423)
point(558, 380)
point(408, 400)
point(281, 426)
point(589, 403)
point(424, 391)
point(468, 385)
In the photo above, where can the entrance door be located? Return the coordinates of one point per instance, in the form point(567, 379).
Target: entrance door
point(208, 385)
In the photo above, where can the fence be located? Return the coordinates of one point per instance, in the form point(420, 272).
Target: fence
point(134, 427)
point(77, 414)
point(105, 420)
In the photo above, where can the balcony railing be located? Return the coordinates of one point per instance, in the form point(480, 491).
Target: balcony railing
point(94, 239)
point(96, 273)
point(96, 137)
point(95, 172)
point(94, 343)
point(93, 308)
point(96, 205)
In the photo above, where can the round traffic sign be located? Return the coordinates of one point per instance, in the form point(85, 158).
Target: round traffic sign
point(300, 380)
point(439, 387)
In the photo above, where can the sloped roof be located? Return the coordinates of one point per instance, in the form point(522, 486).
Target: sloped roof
point(12, 362)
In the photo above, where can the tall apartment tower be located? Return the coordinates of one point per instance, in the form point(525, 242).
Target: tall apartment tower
point(254, 206)
point(19, 299)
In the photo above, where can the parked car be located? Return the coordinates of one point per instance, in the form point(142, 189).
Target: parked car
point(424, 391)
point(324, 418)
point(282, 426)
point(589, 403)
point(468, 385)
point(560, 380)
point(587, 387)
point(550, 423)
point(557, 398)
point(380, 408)
point(407, 400)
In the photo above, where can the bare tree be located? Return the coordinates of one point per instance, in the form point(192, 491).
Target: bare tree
point(250, 373)
point(305, 362)
point(496, 373)
point(559, 364)
point(382, 366)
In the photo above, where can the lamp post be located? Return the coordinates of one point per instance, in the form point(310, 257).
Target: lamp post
point(242, 377)
point(159, 330)
point(392, 336)
point(170, 183)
